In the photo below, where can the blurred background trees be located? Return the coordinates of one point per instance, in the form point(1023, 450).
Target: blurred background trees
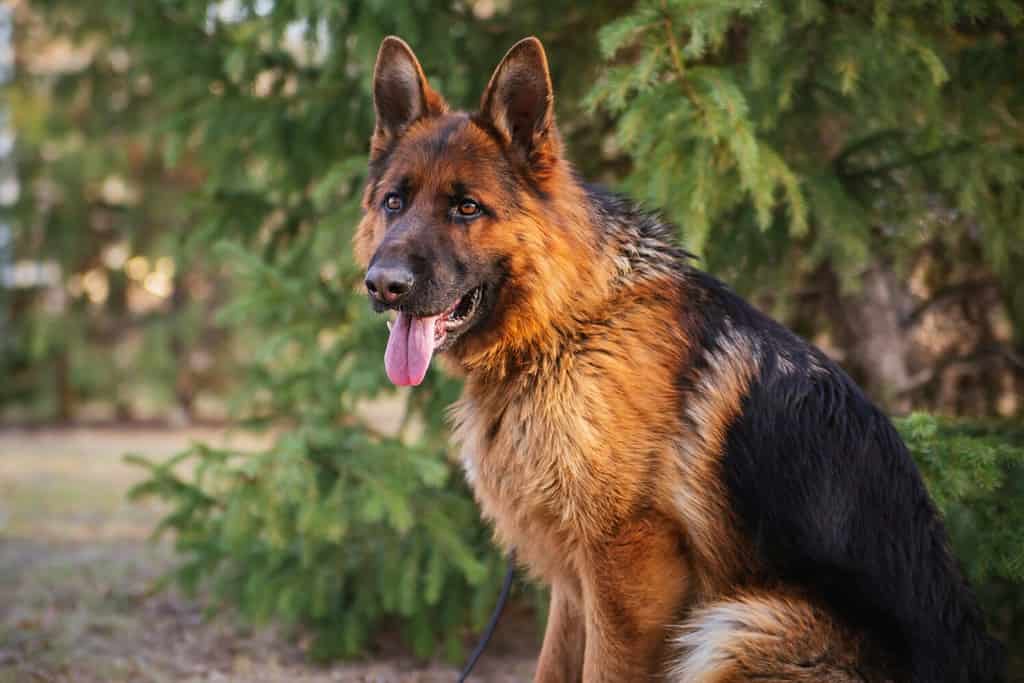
point(187, 182)
point(855, 165)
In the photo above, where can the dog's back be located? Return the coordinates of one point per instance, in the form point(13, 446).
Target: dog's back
point(832, 503)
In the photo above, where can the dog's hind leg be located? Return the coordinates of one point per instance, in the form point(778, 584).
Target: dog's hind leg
point(768, 639)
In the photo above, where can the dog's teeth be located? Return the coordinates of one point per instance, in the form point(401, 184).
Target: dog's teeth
point(388, 323)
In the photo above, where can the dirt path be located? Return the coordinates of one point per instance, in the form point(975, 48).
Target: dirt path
point(76, 580)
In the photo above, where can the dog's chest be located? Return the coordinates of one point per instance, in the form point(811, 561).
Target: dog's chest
point(525, 472)
point(546, 472)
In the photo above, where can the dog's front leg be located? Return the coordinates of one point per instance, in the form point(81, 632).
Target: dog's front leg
point(634, 591)
point(561, 656)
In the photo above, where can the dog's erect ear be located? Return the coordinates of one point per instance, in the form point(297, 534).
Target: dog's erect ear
point(519, 101)
point(401, 94)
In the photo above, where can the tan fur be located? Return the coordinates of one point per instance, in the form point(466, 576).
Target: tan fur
point(765, 637)
point(565, 638)
point(699, 490)
point(580, 445)
point(566, 461)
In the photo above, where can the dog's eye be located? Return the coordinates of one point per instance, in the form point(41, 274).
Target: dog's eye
point(393, 203)
point(467, 208)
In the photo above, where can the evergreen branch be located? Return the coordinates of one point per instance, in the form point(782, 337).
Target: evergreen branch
point(911, 160)
point(866, 142)
point(828, 90)
point(677, 57)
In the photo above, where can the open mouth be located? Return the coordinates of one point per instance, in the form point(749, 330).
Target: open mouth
point(414, 339)
point(456, 317)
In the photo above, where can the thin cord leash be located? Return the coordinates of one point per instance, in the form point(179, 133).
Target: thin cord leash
point(506, 588)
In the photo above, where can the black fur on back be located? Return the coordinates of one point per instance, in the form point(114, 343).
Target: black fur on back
point(833, 503)
point(821, 482)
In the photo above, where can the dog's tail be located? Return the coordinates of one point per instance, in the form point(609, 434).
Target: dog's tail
point(766, 638)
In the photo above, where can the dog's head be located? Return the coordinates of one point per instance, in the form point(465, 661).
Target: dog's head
point(464, 232)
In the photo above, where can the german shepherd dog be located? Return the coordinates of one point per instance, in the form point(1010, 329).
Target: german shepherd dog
point(709, 497)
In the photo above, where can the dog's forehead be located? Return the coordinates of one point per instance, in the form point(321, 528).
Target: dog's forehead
point(447, 150)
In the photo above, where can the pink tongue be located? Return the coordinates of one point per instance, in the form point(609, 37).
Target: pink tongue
point(410, 347)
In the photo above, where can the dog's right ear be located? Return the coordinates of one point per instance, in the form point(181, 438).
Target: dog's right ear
point(401, 94)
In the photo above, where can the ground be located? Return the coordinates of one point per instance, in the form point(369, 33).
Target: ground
point(78, 600)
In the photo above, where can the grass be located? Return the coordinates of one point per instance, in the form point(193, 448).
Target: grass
point(77, 577)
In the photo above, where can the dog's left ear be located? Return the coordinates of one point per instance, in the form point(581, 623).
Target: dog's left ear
point(519, 102)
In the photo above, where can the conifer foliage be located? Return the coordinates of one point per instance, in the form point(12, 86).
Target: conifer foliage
point(800, 132)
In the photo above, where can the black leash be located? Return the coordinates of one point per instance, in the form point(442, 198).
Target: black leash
point(506, 588)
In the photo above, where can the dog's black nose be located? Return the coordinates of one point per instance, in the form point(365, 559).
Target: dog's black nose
point(389, 282)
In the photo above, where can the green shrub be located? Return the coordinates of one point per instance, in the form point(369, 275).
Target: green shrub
point(975, 472)
point(337, 531)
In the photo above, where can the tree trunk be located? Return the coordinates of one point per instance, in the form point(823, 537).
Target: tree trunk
point(62, 387)
point(869, 327)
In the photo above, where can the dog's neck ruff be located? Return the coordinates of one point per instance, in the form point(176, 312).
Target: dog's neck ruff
point(632, 249)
